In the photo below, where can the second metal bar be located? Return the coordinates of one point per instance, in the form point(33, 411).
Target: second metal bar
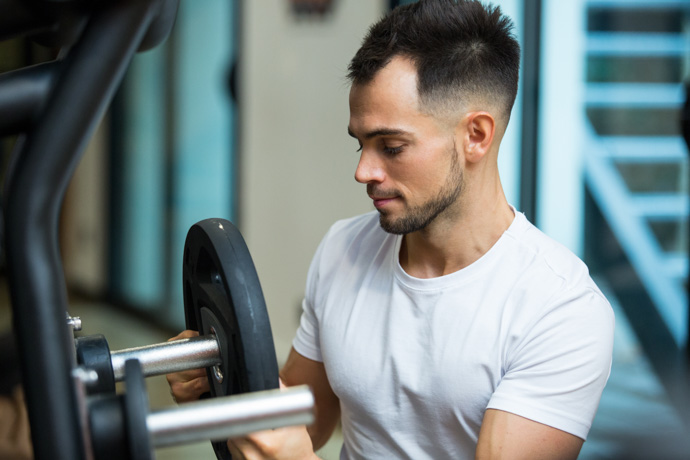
point(231, 416)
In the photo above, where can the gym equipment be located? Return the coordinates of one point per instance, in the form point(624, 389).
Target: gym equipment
point(121, 426)
point(237, 345)
point(94, 353)
point(72, 412)
point(98, 40)
point(223, 300)
point(213, 289)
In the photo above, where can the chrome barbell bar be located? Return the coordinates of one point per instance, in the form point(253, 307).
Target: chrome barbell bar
point(231, 416)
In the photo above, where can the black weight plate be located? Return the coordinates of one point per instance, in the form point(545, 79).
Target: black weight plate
point(93, 353)
point(223, 296)
point(136, 405)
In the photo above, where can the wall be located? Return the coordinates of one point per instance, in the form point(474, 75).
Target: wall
point(296, 160)
point(84, 230)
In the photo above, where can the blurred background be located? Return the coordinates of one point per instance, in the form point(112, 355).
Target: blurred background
point(242, 114)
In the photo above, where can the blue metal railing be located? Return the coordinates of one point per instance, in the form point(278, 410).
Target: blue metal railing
point(629, 214)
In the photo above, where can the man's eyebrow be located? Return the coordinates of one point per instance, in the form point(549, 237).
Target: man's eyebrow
point(380, 132)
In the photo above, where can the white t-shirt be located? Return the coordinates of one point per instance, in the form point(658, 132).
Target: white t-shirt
point(416, 362)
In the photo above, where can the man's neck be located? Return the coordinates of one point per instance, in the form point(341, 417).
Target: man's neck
point(458, 238)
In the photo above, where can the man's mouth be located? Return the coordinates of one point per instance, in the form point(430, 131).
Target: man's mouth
point(381, 197)
point(380, 202)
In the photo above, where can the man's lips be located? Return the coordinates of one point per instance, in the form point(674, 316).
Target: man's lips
point(381, 201)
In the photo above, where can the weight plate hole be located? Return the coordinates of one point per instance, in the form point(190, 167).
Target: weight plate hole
point(216, 370)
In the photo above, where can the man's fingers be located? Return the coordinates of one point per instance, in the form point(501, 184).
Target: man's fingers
point(258, 445)
point(186, 376)
point(188, 334)
point(234, 451)
point(188, 385)
point(243, 449)
point(189, 390)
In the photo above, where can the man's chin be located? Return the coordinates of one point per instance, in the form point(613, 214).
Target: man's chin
point(391, 226)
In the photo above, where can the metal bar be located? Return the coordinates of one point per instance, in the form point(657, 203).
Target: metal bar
point(231, 416)
point(636, 239)
point(644, 149)
point(164, 358)
point(641, 4)
point(685, 132)
point(22, 93)
point(659, 206)
point(529, 148)
point(629, 95)
point(19, 17)
point(635, 44)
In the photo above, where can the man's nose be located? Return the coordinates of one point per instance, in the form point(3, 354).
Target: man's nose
point(369, 168)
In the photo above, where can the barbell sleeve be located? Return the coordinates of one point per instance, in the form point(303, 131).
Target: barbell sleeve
point(231, 416)
point(167, 357)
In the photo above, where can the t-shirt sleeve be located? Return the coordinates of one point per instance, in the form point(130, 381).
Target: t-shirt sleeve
point(556, 373)
point(307, 339)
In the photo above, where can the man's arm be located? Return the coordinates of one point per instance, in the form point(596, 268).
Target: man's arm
point(299, 370)
point(508, 436)
point(295, 442)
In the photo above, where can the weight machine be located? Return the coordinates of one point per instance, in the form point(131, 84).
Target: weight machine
point(69, 383)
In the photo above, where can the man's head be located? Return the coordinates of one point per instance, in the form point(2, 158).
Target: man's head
point(465, 54)
point(432, 90)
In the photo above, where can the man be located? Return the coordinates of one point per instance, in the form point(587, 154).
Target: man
point(443, 324)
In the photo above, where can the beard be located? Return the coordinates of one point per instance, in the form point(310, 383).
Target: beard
point(419, 217)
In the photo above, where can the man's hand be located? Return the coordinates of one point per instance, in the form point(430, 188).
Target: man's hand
point(283, 443)
point(189, 385)
point(279, 444)
point(292, 442)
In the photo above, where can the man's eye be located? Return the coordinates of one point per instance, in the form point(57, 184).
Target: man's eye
point(360, 148)
point(392, 150)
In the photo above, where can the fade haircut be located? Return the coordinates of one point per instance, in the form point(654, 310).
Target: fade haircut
point(464, 52)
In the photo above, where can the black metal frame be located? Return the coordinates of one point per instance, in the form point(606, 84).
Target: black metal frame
point(685, 131)
point(55, 108)
point(531, 82)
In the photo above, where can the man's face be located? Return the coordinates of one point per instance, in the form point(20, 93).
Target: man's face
point(409, 162)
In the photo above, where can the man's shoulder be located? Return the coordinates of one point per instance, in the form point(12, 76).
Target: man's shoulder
point(550, 259)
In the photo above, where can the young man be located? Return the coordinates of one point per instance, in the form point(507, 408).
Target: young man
point(443, 324)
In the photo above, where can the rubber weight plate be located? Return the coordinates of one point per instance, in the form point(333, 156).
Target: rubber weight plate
point(223, 296)
point(93, 352)
point(136, 405)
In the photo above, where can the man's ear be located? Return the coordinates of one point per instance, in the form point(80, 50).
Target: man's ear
point(477, 130)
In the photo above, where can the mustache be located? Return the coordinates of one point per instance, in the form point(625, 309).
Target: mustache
point(381, 192)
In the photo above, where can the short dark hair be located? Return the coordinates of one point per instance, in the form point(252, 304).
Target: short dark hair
point(459, 47)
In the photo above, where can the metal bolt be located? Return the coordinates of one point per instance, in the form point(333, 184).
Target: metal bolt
point(86, 376)
point(74, 322)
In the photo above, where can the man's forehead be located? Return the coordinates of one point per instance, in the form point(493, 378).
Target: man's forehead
point(385, 95)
